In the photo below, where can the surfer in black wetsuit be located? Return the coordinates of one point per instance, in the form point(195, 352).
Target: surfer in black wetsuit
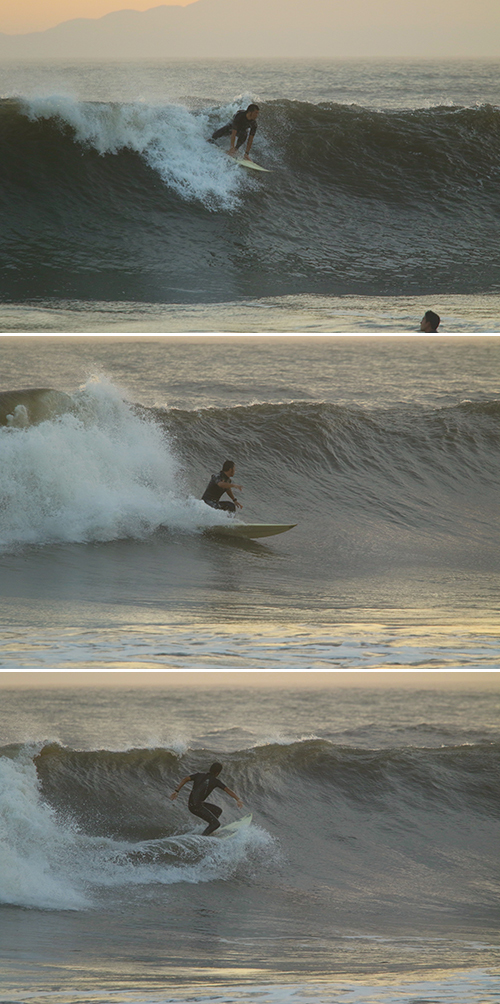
point(220, 483)
point(203, 785)
point(243, 122)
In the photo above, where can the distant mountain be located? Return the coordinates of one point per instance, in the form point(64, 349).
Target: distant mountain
point(253, 28)
point(230, 28)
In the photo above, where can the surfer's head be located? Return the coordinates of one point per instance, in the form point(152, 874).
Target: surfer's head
point(215, 769)
point(252, 111)
point(430, 321)
point(228, 467)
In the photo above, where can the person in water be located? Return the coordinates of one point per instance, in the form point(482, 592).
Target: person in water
point(218, 485)
point(203, 785)
point(430, 322)
point(244, 121)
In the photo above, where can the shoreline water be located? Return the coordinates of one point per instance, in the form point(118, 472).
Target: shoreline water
point(312, 314)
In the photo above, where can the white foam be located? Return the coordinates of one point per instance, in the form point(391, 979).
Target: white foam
point(171, 139)
point(101, 474)
point(33, 846)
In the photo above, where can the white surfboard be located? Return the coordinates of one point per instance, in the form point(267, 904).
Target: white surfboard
point(252, 165)
point(251, 530)
point(230, 829)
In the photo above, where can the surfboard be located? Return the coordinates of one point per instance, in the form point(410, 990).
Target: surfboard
point(251, 530)
point(230, 829)
point(252, 165)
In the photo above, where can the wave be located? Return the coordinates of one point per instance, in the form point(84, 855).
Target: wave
point(82, 821)
point(439, 153)
point(131, 201)
point(118, 791)
point(414, 468)
point(20, 408)
point(125, 471)
point(97, 472)
point(50, 860)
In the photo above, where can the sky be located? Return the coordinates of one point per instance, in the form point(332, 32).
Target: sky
point(449, 16)
point(37, 15)
point(431, 680)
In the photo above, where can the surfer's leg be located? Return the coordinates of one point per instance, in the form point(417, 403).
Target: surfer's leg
point(226, 506)
point(209, 814)
point(214, 811)
point(224, 131)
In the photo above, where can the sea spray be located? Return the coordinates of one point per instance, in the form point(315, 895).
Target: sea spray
point(99, 474)
point(170, 139)
point(34, 846)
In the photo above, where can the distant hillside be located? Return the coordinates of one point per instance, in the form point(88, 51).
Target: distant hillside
point(253, 28)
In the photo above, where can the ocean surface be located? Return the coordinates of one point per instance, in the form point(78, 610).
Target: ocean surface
point(119, 215)
point(369, 873)
point(383, 450)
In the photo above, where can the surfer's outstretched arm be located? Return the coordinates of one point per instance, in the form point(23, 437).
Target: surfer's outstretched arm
point(179, 786)
point(235, 796)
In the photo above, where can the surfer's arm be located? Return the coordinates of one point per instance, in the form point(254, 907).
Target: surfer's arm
point(249, 146)
point(233, 497)
point(179, 786)
point(235, 796)
point(228, 485)
point(232, 149)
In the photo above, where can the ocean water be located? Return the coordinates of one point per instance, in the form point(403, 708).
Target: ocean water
point(118, 215)
point(369, 873)
point(383, 450)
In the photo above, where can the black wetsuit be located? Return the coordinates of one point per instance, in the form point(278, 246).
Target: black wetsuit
point(203, 785)
point(241, 124)
point(213, 493)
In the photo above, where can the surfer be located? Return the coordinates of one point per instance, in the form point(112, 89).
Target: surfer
point(203, 785)
point(243, 122)
point(220, 483)
point(430, 322)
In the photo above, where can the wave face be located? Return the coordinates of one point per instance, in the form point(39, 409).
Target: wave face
point(115, 201)
point(80, 821)
point(415, 482)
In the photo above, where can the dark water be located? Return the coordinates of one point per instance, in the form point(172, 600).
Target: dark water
point(112, 201)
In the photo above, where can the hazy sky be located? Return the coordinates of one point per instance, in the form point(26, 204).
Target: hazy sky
point(37, 15)
point(451, 680)
point(398, 15)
